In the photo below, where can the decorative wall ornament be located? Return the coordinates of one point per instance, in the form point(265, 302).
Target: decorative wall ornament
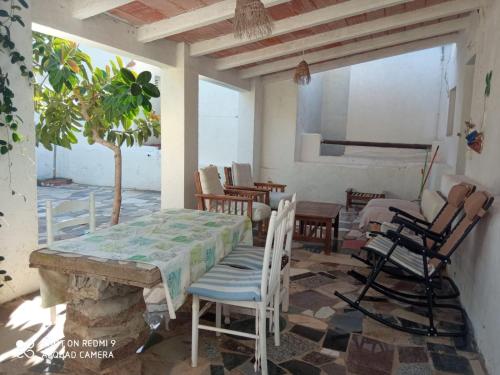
point(473, 137)
point(302, 74)
point(251, 20)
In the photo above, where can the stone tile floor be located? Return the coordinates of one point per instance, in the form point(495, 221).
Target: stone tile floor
point(134, 203)
point(320, 333)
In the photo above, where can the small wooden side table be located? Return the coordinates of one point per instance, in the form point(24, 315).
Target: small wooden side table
point(359, 199)
point(314, 222)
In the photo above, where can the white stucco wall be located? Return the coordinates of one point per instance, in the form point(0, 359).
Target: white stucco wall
point(476, 264)
point(322, 180)
point(396, 99)
point(19, 231)
point(218, 124)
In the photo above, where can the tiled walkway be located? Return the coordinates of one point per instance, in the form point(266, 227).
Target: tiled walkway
point(134, 203)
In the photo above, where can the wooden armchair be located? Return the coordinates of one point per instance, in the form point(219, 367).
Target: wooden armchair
point(212, 196)
point(274, 192)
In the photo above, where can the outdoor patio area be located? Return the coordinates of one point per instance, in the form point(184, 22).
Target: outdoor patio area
point(239, 187)
point(320, 334)
point(136, 203)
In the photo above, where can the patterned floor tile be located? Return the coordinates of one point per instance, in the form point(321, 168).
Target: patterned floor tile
point(451, 363)
point(412, 354)
point(300, 368)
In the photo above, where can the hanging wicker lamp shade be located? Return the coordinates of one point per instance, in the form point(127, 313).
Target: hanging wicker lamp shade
point(302, 74)
point(251, 19)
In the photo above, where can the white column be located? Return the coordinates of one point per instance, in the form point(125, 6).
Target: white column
point(179, 132)
point(18, 202)
point(250, 126)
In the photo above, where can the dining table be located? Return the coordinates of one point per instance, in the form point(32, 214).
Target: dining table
point(101, 276)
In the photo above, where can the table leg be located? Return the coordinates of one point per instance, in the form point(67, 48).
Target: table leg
point(104, 326)
point(328, 239)
point(336, 227)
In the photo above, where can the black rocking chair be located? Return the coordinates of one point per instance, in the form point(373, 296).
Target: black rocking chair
point(422, 232)
point(424, 263)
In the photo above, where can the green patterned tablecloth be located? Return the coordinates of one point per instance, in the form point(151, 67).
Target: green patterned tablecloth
point(183, 244)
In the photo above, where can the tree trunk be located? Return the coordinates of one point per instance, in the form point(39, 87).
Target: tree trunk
point(117, 202)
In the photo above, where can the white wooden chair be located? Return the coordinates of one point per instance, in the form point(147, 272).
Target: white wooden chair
point(253, 289)
point(63, 208)
point(251, 257)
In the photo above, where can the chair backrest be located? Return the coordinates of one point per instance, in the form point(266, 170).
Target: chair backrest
point(228, 174)
point(67, 207)
point(278, 230)
point(454, 204)
point(475, 206)
point(209, 181)
point(242, 174)
point(290, 229)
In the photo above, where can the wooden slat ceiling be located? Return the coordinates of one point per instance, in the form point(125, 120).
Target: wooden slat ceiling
point(147, 11)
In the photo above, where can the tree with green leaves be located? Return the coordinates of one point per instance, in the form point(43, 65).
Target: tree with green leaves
point(111, 106)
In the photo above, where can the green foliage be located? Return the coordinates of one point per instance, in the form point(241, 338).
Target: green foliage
point(72, 96)
point(9, 120)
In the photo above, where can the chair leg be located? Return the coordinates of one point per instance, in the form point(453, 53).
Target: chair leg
point(218, 316)
point(286, 287)
point(53, 315)
point(276, 317)
point(262, 339)
point(227, 314)
point(194, 338)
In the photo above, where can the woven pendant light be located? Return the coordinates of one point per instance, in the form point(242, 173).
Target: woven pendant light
point(302, 74)
point(251, 19)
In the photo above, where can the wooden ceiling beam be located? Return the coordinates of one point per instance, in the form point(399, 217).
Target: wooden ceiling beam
point(200, 17)
point(83, 9)
point(302, 21)
point(359, 47)
point(431, 13)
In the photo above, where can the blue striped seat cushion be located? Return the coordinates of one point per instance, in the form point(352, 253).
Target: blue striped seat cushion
point(401, 255)
point(223, 282)
point(248, 257)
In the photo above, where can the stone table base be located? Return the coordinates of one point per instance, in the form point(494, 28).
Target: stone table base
point(104, 326)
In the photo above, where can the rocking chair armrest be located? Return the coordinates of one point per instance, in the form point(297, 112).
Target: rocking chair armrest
point(409, 216)
point(252, 188)
point(234, 198)
point(271, 186)
point(253, 194)
point(418, 229)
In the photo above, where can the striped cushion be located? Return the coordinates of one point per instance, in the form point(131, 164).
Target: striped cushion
point(248, 257)
point(401, 255)
point(385, 227)
point(228, 283)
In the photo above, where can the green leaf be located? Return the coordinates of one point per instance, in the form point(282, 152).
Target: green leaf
point(147, 105)
point(151, 90)
point(4, 13)
point(127, 75)
point(16, 137)
point(135, 89)
point(144, 77)
point(23, 3)
point(4, 150)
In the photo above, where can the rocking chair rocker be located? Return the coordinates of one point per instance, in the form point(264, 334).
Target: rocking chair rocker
point(424, 263)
